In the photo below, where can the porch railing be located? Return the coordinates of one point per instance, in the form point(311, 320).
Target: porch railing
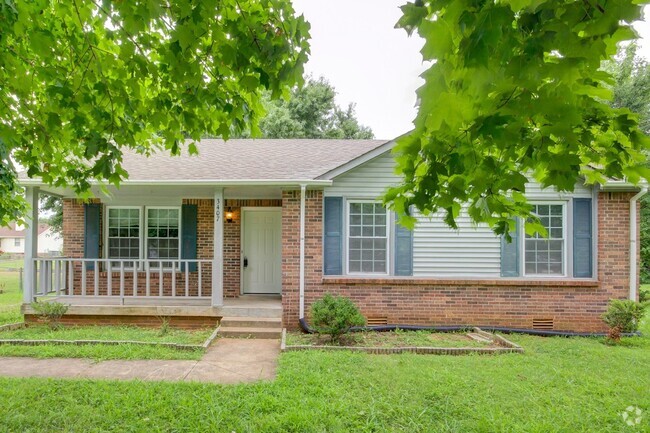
point(122, 278)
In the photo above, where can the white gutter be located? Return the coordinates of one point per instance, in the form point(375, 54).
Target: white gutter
point(633, 242)
point(208, 182)
point(303, 189)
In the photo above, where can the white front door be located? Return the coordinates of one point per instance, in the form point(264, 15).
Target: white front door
point(262, 251)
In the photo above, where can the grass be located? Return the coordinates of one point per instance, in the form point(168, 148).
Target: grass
point(100, 352)
point(10, 299)
point(104, 352)
point(558, 385)
point(11, 263)
point(109, 333)
point(389, 339)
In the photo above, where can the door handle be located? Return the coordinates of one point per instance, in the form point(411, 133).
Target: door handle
point(245, 262)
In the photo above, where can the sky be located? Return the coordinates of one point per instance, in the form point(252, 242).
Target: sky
point(355, 46)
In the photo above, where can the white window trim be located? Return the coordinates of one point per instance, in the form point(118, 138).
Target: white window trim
point(146, 231)
point(565, 233)
point(143, 232)
point(346, 254)
point(106, 248)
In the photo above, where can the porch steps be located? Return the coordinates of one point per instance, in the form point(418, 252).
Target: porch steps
point(251, 327)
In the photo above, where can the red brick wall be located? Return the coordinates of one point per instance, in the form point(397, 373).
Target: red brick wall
point(182, 322)
point(572, 305)
point(73, 227)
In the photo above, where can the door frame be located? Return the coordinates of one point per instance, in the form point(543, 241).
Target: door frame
point(242, 236)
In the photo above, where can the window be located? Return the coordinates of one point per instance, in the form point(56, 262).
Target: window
point(163, 234)
point(16, 242)
point(367, 238)
point(123, 233)
point(545, 256)
point(158, 239)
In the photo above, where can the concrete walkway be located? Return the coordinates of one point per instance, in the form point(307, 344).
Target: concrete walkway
point(228, 361)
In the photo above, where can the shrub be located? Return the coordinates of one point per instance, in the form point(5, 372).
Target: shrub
point(644, 296)
point(623, 316)
point(334, 316)
point(50, 312)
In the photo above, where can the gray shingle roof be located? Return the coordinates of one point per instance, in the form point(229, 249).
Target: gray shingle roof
point(258, 159)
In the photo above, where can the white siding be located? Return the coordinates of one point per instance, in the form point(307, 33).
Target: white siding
point(368, 181)
point(470, 251)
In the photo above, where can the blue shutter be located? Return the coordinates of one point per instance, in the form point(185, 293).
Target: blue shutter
point(510, 253)
point(189, 218)
point(403, 250)
point(582, 238)
point(333, 236)
point(92, 218)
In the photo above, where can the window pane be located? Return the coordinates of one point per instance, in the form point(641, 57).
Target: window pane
point(367, 237)
point(545, 256)
point(162, 234)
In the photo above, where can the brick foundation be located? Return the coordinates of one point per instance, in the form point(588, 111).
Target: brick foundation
point(572, 305)
point(180, 322)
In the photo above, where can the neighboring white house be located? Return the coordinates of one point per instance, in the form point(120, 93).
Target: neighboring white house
point(12, 239)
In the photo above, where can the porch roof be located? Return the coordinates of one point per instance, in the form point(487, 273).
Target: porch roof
point(243, 161)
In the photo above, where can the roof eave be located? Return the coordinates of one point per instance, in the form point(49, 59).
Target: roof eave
point(203, 182)
point(622, 186)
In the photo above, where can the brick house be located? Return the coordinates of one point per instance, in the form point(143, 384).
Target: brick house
point(265, 227)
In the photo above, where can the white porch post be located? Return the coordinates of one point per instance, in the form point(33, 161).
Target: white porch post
point(31, 243)
point(217, 261)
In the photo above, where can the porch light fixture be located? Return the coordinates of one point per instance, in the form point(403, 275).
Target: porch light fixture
point(229, 215)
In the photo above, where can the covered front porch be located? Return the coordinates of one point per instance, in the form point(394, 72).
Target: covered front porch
point(222, 255)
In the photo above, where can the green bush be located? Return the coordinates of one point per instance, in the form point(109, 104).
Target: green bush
point(644, 296)
point(334, 316)
point(50, 312)
point(623, 316)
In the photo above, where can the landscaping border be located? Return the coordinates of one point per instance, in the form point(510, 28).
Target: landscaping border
point(507, 347)
point(179, 346)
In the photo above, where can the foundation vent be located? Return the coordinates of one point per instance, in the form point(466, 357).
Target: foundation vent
point(376, 320)
point(543, 324)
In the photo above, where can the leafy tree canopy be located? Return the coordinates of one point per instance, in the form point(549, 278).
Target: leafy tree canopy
point(516, 89)
point(311, 112)
point(632, 84)
point(80, 80)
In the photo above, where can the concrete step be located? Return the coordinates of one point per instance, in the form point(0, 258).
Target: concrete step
point(246, 332)
point(250, 312)
point(252, 322)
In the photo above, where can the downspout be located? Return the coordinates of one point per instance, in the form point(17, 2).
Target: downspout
point(633, 242)
point(303, 189)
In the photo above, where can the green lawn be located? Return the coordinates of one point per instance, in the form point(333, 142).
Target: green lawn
point(10, 298)
point(99, 352)
point(11, 264)
point(558, 385)
point(104, 352)
point(114, 333)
